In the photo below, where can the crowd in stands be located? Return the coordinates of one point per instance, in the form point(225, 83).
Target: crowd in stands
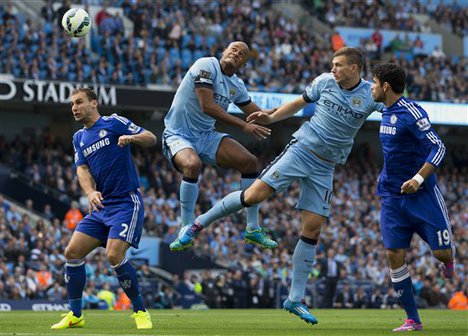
point(32, 257)
point(393, 15)
point(168, 37)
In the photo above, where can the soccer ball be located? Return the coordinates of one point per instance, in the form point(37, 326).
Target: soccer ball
point(76, 22)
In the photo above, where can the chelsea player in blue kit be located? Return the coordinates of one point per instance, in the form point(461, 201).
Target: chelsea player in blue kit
point(109, 179)
point(343, 102)
point(411, 201)
point(190, 138)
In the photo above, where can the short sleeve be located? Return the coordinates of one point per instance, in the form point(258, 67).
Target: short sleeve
point(242, 96)
point(124, 126)
point(313, 90)
point(420, 126)
point(78, 155)
point(203, 72)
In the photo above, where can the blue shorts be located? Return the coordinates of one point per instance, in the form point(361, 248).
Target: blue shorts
point(206, 145)
point(298, 163)
point(121, 218)
point(424, 214)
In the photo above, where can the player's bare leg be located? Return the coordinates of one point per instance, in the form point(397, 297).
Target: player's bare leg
point(235, 201)
point(446, 256)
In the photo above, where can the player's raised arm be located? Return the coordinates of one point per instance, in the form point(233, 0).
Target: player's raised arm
point(208, 106)
point(143, 139)
point(283, 112)
point(89, 187)
point(251, 107)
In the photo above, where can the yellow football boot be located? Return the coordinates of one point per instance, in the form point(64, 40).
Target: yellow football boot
point(142, 319)
point(69, 321)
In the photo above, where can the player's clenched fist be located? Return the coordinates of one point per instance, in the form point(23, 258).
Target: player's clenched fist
point(410, 186)
point(125, 140)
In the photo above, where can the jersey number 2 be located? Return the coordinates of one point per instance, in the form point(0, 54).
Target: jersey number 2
point(444, 237)
point(123, 233)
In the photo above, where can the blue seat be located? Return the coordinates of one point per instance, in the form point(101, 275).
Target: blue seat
point(187, 58)
point(186, 39)
point(198, 54)
point(211, 40)
point(198, 40)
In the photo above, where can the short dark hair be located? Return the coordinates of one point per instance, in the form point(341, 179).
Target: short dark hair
point(88, 91)
point(354, 56)
point(391, 73)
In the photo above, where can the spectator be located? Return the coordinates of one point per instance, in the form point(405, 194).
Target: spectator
point(331, 272)
point(122, 302)
point(106, 295)
point(337, 41)
point(458, 301)
point(73, 216)
point(377, 38)
point(344, 298)
point(361, 300)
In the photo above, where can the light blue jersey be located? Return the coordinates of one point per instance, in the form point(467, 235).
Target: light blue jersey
point(185, 116)
point(339, 114)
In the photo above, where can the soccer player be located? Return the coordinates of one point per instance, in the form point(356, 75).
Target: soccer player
point(109, 179)
point(411, 202)
point(190, 139)
point(343, 102)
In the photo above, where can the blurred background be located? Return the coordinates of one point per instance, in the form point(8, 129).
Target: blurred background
point(135, 57)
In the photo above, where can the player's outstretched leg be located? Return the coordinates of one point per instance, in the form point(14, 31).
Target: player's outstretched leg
point(301, 310)
point(228, 205)
point(409, 325)
point(188, 234)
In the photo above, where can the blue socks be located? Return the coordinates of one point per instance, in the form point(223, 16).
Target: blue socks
point(228, 205)
point(303, 259)
point(75, 279)
point(188, 199)
point(129, 283)
point(403, 287)
point(251, 212)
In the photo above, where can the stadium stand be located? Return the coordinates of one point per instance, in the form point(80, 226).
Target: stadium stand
point(352, 231)
point(285, 54)
point(285, 57)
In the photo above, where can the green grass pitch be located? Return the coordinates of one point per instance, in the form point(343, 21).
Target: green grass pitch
point(253, 322)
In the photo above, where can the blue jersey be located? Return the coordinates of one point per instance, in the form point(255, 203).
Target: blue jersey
point(339, 114)
point(185, 116)
point(111, 166)
point(408, 140)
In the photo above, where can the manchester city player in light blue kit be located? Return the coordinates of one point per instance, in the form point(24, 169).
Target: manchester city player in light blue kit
point(343, 102)
point(109, 179)
point(411, 201)
point(190, 138)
